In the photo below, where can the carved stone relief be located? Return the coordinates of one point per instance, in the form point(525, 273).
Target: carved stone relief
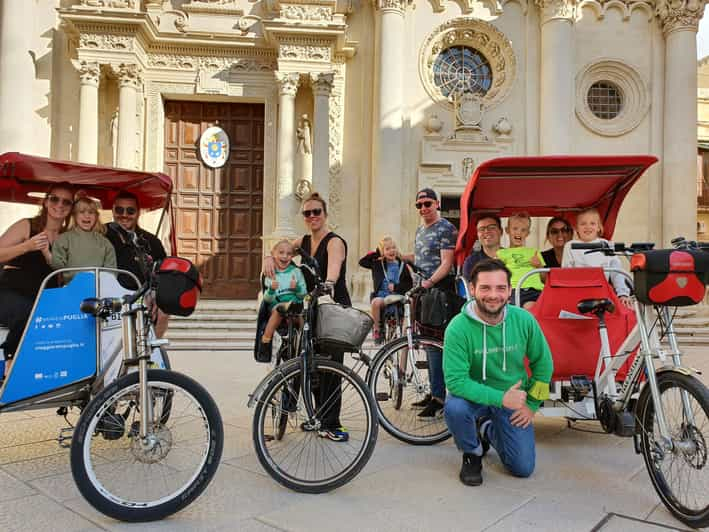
point(307, 13)
point(556, 9)
point(129, 4)
point(336, 122)
point(106, 41)
point(680, 14)
point(303, 52)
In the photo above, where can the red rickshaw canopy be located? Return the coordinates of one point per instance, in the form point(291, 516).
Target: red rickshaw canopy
point(22, 175)
point(556, 185)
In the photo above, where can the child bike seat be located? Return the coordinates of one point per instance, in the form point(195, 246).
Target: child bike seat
point(393, 299)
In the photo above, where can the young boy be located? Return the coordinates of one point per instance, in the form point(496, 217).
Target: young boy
point(520, 259)
point(286, 285)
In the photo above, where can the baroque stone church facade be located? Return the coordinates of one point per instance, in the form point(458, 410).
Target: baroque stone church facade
point(365, 102)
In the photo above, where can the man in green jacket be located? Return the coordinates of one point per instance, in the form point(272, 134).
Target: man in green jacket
point(491, 400)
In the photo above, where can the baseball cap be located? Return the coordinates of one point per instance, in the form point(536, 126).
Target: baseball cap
point(427, 193)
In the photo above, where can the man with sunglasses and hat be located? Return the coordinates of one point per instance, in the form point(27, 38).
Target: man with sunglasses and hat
point(132, 244)
point(434, 248)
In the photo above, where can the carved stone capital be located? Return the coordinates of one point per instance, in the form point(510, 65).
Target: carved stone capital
point(129, 75)
point(556, 10)
point(322, 83)
point(89, 73)
point(288, 83)
point(678, 15)
point(398, 6)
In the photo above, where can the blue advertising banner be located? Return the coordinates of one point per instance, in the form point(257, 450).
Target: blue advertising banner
point(59, 345)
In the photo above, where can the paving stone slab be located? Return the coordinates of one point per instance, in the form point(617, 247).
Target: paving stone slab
point(40, 513)
point(12, 488)
point(621, 523)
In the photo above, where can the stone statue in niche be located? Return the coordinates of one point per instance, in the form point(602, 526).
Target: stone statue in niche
point(304, 158)
point(114, 136)
point(468, 165)
point(303, 135)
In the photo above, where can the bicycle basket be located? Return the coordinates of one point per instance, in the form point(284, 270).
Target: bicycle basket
point(670, 277)
point(178, 286)
point(341, 327)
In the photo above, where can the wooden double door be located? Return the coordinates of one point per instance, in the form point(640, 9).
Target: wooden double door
point(219, 211)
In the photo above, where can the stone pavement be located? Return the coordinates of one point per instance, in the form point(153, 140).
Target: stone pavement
point(584, 481)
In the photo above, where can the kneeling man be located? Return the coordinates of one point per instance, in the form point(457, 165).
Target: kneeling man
point(491, 400)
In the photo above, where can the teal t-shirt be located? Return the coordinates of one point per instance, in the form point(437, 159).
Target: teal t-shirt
point(517, 261)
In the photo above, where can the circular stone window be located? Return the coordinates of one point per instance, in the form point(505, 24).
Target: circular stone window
point(605, 100)
point(467, 55)
point(460, 69)
point(611, 97)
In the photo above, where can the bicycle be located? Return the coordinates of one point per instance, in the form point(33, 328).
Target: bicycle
point(665, 409)
point(298, 397)
point(398, 377)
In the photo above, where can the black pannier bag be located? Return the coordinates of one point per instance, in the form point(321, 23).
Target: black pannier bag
point(179, 285)
point(670, 277)
point(438, 307)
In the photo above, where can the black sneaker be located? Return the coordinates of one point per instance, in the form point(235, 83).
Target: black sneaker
point(423, 403)
point(471, 473)
point(433, 409)
point(481, 437)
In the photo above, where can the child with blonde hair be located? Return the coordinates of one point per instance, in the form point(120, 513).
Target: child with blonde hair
point(286, 285)
point(389, 276)
point(589, 228)
point(521, 259)
point(84, 245)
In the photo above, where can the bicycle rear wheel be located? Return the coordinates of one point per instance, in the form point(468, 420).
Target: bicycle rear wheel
point(132, 479)
point(680, 475)
point(302, 458)
point(397, 381)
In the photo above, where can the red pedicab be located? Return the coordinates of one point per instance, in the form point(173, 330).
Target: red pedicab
point(593, 338)
point(161, 428)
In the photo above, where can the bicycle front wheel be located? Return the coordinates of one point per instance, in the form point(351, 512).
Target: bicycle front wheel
point(397, 381)
point(300, 455)
point(133, 479)
point(680, 475)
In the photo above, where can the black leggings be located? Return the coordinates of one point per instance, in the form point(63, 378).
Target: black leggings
point(329, 394)
point(14, 312)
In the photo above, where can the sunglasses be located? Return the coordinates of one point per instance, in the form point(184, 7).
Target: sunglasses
point(559, 230)
point(312, 212)
point(125, 210)
point(422, 204)
point(487, 228)
point(53, 198)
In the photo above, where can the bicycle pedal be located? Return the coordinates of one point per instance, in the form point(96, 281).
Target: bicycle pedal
point(382, 396)
point(421, 364)
point(63, 439)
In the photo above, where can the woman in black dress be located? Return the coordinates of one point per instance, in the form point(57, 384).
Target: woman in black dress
point(559, 232)
point(330, 250)
point(24, 253)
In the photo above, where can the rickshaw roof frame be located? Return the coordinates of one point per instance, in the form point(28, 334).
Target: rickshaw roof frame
point(22, 175)
point(550, 185)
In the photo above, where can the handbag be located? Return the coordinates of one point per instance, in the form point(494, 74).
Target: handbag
point(439, 307)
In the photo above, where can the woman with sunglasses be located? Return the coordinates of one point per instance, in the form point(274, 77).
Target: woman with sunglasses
point(25, 253)
point(330, 250)
point(559, 232)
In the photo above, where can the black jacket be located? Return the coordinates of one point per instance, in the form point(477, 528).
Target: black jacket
point(372, 261)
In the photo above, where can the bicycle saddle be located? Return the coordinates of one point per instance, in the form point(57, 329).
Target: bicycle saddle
point(595, 306)
point(392, 299)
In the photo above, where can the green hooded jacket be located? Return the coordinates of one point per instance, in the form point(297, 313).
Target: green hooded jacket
point(481, 362)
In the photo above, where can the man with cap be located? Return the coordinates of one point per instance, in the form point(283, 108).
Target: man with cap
point(434, 247)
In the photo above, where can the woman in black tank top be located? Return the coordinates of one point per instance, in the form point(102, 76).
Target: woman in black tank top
point(24, 253)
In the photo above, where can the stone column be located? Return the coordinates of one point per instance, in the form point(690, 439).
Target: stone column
point(322, 87)
point(129, 81)
point(288, 88)
point(89, 74)
point(680, 20)
point(16, 77)
point(557, 76)
point(387, 180)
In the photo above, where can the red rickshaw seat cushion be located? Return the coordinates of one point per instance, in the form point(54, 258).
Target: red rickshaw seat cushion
point(575, 343)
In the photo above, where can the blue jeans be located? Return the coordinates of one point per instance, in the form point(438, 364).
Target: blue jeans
point(514, 445)
point(435, 373)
